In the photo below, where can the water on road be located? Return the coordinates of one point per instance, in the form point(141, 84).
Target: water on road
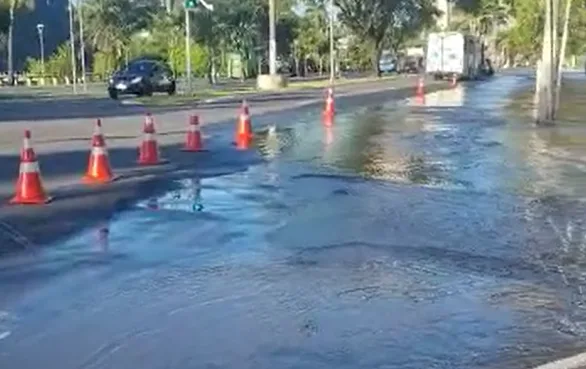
point(431, 233)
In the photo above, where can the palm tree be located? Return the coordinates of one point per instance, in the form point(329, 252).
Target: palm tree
point(109, 26)
point(493, 16)
point(13, 6)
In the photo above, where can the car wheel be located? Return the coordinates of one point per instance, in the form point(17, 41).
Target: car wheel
point(172, 89)
point(113, 94)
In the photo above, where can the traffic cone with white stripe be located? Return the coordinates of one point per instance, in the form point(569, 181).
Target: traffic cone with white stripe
point(149, 148)
point(329, 109)
point(243, 128)
point(193, 141)
point(420, 87)
point(29, 187)
point(98, 170)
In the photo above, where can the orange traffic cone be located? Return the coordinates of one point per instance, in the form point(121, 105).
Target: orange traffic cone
point(193, 141)
point(329, 109)
point(29, 187)
point(149, 148)
point(98, 170)
point(420, 100)
point(420, 87)
point(243, 128)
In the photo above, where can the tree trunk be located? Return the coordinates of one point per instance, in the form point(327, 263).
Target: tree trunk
point(554, 41)
point(543, 88)
point(561, 58)
point(10, 60)
point(210, 71)
point(377, 51)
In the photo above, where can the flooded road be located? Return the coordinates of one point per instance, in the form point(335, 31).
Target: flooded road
point(411, 234)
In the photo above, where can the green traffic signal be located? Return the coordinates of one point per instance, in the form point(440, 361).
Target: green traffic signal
point(190, 4)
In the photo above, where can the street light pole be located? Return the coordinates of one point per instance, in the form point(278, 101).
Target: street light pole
point(272, 38)
point(332, 47)
point(40, 30)
point(81, 46)
point(190, 5)
point(188, 50)
point(72, 42)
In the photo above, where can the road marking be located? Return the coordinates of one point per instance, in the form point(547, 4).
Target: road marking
point(131, 102)
point(573, 362)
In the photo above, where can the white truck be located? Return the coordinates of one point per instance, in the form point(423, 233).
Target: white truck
point(451, 54)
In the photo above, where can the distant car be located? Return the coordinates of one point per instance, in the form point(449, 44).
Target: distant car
point(142, 77)
point(387, 65)
point(409, 64)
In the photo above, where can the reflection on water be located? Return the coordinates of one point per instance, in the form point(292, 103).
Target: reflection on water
point(458, 139)
point(452, 97)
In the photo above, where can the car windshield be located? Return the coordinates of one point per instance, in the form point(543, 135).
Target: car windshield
point(138, 67)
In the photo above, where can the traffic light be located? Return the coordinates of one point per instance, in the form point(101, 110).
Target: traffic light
point(190, 4)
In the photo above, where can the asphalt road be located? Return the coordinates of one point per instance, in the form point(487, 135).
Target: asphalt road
point(414, 233)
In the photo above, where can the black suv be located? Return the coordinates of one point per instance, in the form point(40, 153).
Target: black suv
point(142, 77)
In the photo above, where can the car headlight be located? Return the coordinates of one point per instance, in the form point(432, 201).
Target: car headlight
point(136, 80)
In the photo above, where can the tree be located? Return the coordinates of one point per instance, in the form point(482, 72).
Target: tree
point(410, 19)
point(110, 24)
point(369, 20)
point(13, 6)
point(312, 37)
point(548, 84)
point(58, 64)
point(374, 20)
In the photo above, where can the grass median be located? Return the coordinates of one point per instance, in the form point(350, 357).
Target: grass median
point(243, 91)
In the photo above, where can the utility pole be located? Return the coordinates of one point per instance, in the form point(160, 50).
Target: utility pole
point(11, 79)
point(332, 46)
point(40, 30)
point(188, 49)
point(72, 42)
point(272, 38)
point(81, 45)
point(191, 5)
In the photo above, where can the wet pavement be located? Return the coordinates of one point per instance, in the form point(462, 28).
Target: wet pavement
point(411, 234)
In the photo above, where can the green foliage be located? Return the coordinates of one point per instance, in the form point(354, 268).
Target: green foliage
point(577, 29)
point(199, 59)
point(111, 23)
point(103, 65)
point(4, 18)
point(524, 37)
point(57, 65)
point(313, 34)
point(118, 30)
point(380, 23)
